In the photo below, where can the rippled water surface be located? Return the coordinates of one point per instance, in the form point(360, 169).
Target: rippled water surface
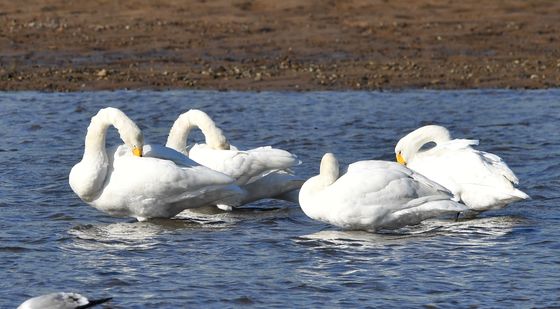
point(271, 254)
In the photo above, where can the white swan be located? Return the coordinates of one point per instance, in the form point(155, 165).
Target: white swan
point(61, 300)
point(479, 179)
point(373, 195)
point(122, 184)
point(262, 172)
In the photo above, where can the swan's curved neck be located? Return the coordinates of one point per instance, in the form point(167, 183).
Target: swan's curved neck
point(194, 118)
point(413, 142)
point(328, 174)
point(329, 169)
point(100, 123)
point(88, 176)
point(429, 134)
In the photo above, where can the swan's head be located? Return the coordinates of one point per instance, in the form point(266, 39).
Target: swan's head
point(409, 145)
point(403, 150)
point(137, 145)
point(219, 142)
point(134, 139)
point(400, 157)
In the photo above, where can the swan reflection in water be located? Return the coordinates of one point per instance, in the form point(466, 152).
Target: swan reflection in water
point(144, 235)
point(476, 232)
point(116, 236)
point(263, 210)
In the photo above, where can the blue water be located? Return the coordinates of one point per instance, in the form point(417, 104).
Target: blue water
point(272, 255)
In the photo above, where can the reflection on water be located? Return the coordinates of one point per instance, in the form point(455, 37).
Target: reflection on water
point(485, 226)
point(353, 240)
point(118, 236)
point(474, 232)
point(270, 254)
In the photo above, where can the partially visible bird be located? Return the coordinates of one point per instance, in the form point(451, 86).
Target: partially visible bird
point(481, 180)
point(264, 172)
point(61, 300)
point(373, 195)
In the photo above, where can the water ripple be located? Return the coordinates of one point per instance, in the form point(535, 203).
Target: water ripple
point(270, 254)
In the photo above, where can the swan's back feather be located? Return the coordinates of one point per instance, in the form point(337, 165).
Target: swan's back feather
point(480, 179)
point(166, 153)
point(380, 167)
point(457, 144)
point(498, 166)
point(244, 166)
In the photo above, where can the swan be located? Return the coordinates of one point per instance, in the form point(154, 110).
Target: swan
point(373, 195)
point(61, 300)
point(262, 172)
point(123, 182)
point(481, 180)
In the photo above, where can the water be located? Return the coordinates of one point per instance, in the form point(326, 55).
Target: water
point(272, 255)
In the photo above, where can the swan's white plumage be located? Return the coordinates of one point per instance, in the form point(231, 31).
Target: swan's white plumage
point(373, 195)
point(279, 185)
point(60, 300)
point(479, 179)
point(249, 168)
point(121, 184)
point(244, 166)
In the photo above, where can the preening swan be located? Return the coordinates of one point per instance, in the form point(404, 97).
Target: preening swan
point(61, 300)
point(373, 195)
point(262, 172)
point(123, 183)
point(479, 179)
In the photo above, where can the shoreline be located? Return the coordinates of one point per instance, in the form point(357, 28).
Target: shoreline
point(257, 45)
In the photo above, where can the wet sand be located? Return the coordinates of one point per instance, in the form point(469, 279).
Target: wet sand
point(61, 45)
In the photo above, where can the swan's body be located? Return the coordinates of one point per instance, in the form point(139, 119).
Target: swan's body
point(262, 172)
point(61, 300)
point(159, 186)
point(373, 195)
point(481, 180)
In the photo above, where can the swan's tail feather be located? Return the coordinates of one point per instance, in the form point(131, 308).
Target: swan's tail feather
point(274, 158)
point(415, 215)
point(273, 185)
point(95, 302)
point(231, 195)
point(521, 195)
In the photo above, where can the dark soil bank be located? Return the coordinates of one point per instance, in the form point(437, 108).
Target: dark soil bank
point(278, 45)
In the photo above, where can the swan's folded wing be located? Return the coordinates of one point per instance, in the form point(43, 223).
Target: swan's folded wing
point(405, 200)
point(230, 162)
point(264, 160)
point(457, 144)
point(167, 168)
point(425, 210)
point(154, 151)
point(468, 166)
point(391, 185)
point(272, 185)
point(373, 187)
point(244, 166)
point(273, 158)
point(498, 166)
point(163, 180)
point(166, 153)
point(376, 166)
